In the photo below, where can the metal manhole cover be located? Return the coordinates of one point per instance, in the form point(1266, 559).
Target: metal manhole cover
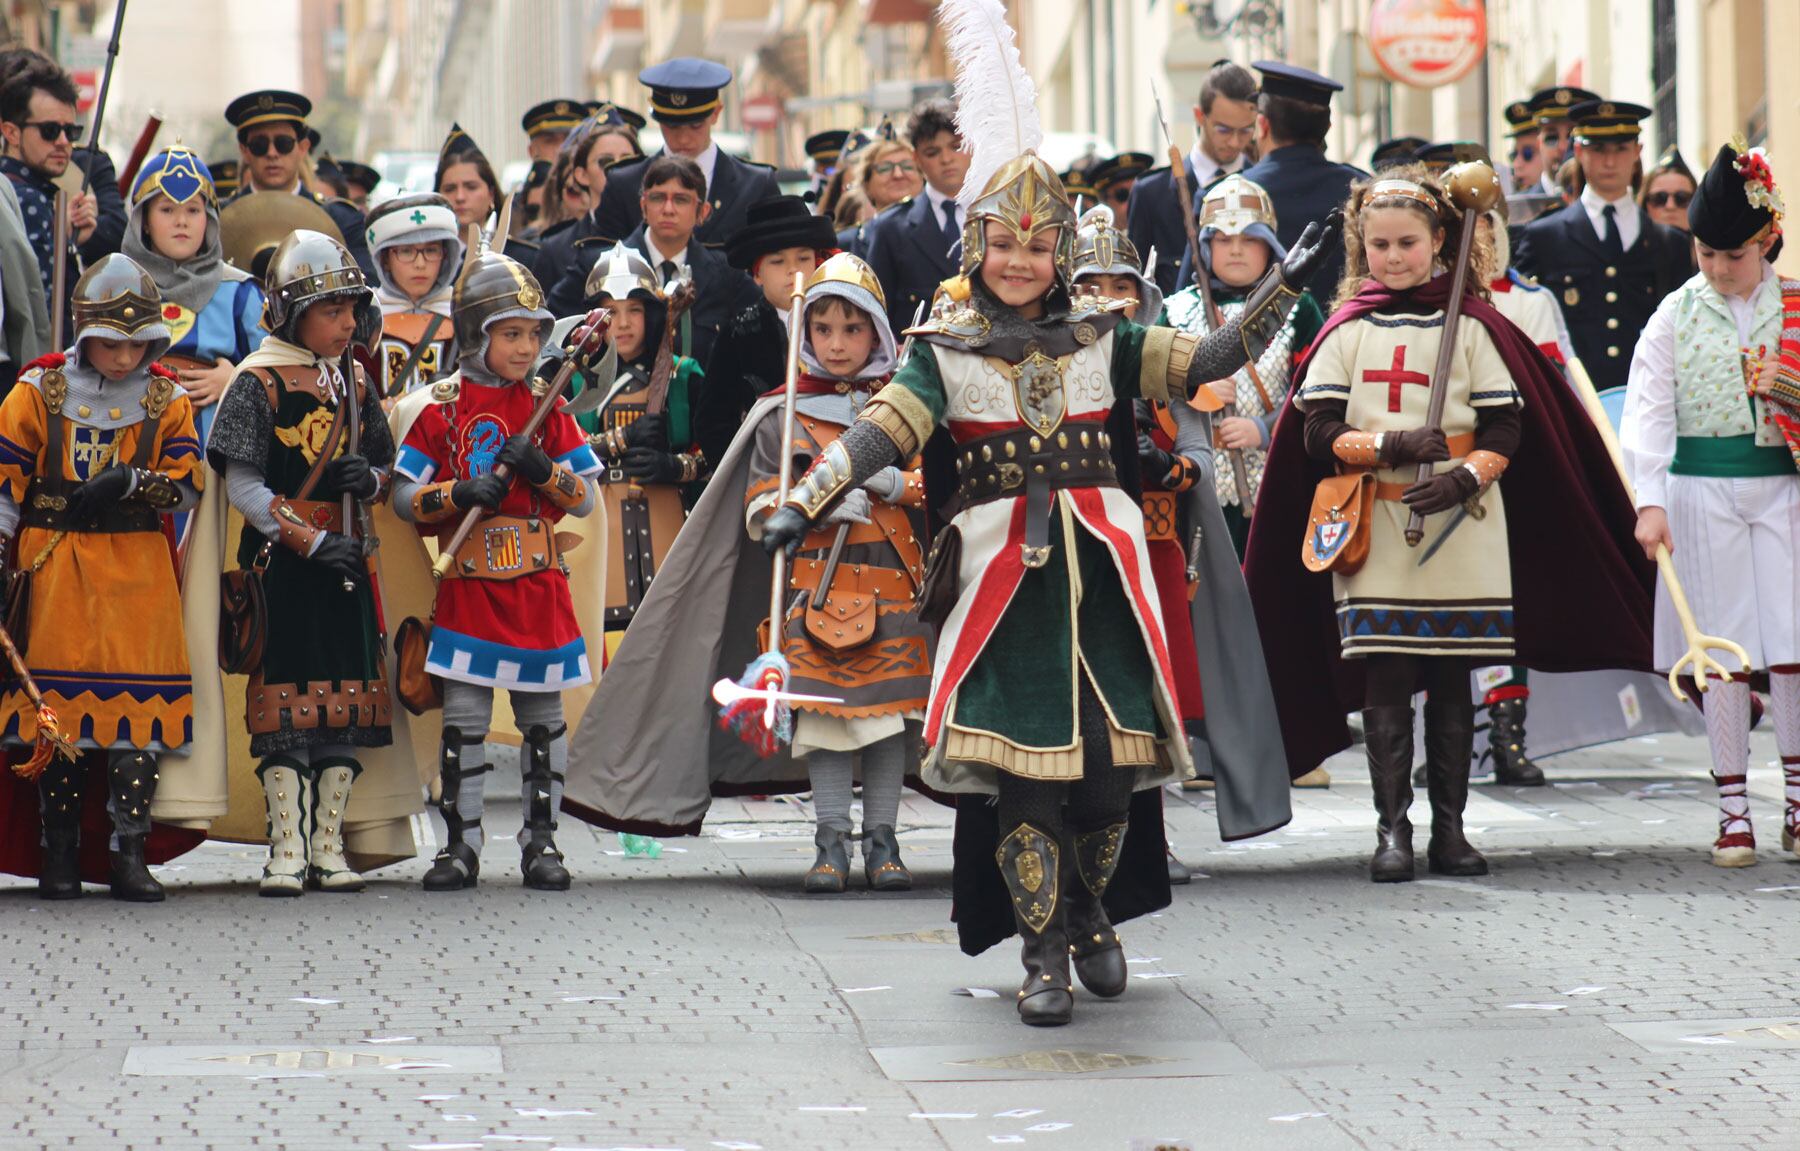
point(936, 935)
point(1062, 1061)
point(245, 1061)
point(1778, 1034)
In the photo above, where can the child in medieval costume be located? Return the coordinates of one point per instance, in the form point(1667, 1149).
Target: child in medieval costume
point(1710, 414)
point(417, 254)
point(1212, 637)
point(96, 445)
point(1524, 301)
point(1237, 246)
point(849, 632)
point(504, 616)
point(213, 311)
point(781, 237)
point(1052, 684)
point(650, 464)
point(298, 438)
point(1483, 594)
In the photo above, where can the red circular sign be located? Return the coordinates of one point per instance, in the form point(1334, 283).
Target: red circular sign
point(1427, 43)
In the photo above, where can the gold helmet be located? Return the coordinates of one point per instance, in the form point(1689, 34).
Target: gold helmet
point(1233, 205)
point(1027, 197)
point(847, 268)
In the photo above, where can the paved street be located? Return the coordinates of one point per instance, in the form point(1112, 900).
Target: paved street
point(1606, 987)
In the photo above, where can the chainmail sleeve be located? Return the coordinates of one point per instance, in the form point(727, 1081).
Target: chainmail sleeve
point(243, 426)
point(1245, 338)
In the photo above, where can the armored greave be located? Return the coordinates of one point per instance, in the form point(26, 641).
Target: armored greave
point(546, 755)
point(334, 770)
point(59, 806)
point(1098, 804)
point(131, 786)
point(287, 792)
point(1030, 861)
point(458, 864)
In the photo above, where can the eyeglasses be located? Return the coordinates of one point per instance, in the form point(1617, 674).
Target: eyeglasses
point(1668, 199)
point(889, 167)
point(1227, 132)
point(418, 253)
point(51, 130)
point(671, 199)
point(259, 145)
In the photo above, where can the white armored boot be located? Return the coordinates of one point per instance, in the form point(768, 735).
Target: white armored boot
point(287, 793)
point(327, 869)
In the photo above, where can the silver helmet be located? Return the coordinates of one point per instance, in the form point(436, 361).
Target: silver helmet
point(117, 299)
point(306, 268)
point(620, 272)
point(492, 288)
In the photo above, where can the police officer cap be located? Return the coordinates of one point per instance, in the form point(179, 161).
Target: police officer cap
point(1124, 166)
point(1554, 103)
point(1292, 82)
point(360, 174)
point(1440, 158)
point(1597, 119)
point(1399, 150)
point(1520, 119)
point(267, 106)
point(828, 145)
point(684, 89)
point(553, 116)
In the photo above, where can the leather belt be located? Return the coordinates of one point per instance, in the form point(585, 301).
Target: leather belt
point(313, 705)
point(1460, 446)
point(506, 548)
point(1009, 464)
point(881, 583)
point(46, 506)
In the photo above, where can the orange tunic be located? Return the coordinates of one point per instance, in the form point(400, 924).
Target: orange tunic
point(105, 641)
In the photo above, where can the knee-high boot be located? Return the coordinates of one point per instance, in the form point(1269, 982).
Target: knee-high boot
point(1094, 944)
point(540, 861)
point(1387, 736)
point(1031, 864)
point(59, 795)
point(1449, 741)
point(287, 791)
point(327, 869)
point(132, 779)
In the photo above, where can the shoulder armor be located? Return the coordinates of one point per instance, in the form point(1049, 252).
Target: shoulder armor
point(446, 390)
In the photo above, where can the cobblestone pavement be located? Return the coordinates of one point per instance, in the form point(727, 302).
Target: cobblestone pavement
point(1605, 987)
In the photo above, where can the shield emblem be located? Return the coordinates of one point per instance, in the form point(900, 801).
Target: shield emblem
point(1038, 392)
point(1328, 538)
point(90, 451)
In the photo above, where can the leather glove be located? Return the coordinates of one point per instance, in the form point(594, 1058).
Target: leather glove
point(525, 459)
point(649, 466)
point(1440, 493)
point(852, 509)
point(1415, 446)
point(94, 496)
point(351, 475)
point(341, 554)
point(648, 432)
point(482, 491)
point(1309, 251)
point(1152, 460)
point(784, 529)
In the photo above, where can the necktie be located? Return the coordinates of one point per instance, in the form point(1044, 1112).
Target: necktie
point(952, 233)
point(1611, 240)
point(668, 269)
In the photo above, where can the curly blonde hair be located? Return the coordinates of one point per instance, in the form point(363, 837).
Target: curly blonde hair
point(1445, 218)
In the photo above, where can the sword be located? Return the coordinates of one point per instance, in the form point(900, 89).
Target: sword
point(1463, 511)
point(418, 353)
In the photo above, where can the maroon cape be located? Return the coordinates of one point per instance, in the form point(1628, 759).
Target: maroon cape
point(1582, 589)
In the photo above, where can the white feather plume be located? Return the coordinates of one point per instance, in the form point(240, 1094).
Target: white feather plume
point(996, 102)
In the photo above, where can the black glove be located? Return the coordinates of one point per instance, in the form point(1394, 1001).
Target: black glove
point(784, 529)
point(1415, 446)
point(1440, 493)
point(648, 432)
point(1308, 252)
point(525, 459)
point(1152, 460)
point(352, 476)
point(482, 491)
point(341, 554)
point(91, 498)
point(649, 466)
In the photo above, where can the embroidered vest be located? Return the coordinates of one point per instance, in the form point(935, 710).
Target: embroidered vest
point(1710, 397)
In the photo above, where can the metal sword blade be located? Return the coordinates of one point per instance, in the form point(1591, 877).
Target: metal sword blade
point(1462, 513)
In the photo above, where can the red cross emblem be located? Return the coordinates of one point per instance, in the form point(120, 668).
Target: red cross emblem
point(1396, 377)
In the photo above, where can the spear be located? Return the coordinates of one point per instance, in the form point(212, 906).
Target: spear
point(50, 739)
point(112, 57)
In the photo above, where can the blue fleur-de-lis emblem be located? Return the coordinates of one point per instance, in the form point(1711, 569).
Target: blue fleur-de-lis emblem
point(89, 450)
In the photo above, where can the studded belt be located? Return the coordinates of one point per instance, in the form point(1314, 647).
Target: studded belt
point(506, 548)
point(1024, 463)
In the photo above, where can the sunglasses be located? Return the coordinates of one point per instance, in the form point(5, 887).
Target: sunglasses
point(1669, 199)
point(259, 145)
point(1525, 153)
point(892, 166)
point(1118, 195)
point(51, 130)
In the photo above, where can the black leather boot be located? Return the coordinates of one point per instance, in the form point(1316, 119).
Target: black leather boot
point(1094, 944)
point(540, 862)
point(59, 792)
point(1387, 736)
point(1449, 741)
point(1506, 744)
point(1031, 864)
point(458, 865)
point(881, 860)
point(830, 873)
point(132, 780)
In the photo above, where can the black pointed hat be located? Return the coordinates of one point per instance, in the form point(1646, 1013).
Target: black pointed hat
point(1737, 203)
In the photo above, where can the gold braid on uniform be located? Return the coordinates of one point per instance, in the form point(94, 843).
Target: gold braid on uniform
point(432, 504)
point(1485, 466)
point(1358, 449)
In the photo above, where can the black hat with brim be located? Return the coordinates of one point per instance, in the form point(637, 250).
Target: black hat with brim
point(685, 89)
point(775, 223)
point(1439, 158)
point(360, 174)
point(267, 106)
point(1595, 121)
point(554, 116)
point(1124, 166)
point(1520, 119)
point(1292, 82)
point(1736, 203)
point(1399, 150)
